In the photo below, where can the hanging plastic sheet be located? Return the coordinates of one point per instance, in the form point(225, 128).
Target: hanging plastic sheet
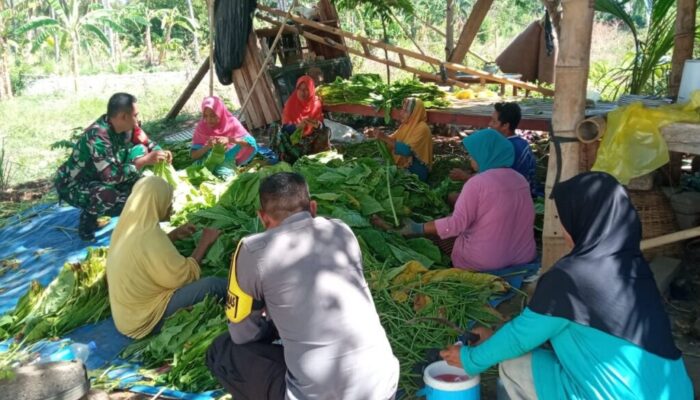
point(633, 145)
point(233, 23)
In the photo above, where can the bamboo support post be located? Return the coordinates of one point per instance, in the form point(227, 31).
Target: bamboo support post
point(379, 44)
point(212, 26)
point(683, 42)
point(670, 238)
point(590, 130)
point(568, 110)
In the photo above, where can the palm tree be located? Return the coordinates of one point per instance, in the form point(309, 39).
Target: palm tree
point(76, 26)
point(648, 64)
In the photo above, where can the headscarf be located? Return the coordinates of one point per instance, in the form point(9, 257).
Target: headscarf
point(296, 110)
point(143, 266)
point(228, 126)
point(489, 149)
point(415, 133)
point(604, 282)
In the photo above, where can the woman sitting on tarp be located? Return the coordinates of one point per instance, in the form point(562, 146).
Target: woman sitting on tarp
point(302, 130)
point(148, 279)
point(220, 135)
point(411, 144)
point(598, 306)
point(492, 226)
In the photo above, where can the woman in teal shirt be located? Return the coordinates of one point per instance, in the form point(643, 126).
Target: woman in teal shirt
point(598, 306)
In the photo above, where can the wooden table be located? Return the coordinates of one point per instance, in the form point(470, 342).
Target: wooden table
point(537, 114)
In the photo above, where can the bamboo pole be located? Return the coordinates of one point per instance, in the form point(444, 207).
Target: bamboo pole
point(568, 110)
point(670, 238)
point(683, 42)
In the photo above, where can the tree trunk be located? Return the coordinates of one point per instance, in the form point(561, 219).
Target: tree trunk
point(386, 53)
point(449, 29)
point(5, 81)
point(149, 44)
point(166, 41)
point(74, 60)
point(195, 40)
point(568, 109)
point(56, 44)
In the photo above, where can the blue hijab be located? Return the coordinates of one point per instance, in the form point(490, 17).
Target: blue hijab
point(489, 149)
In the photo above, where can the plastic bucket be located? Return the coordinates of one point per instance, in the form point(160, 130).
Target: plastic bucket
point(436, 389)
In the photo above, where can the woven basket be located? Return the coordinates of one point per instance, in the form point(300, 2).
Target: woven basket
point(658, 218)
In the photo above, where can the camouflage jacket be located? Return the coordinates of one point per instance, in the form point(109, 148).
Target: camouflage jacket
point(101, 154)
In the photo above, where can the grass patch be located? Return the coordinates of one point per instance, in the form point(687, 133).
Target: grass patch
point(32, 123)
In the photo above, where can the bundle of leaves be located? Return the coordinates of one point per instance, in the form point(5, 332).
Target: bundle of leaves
point(76, 297)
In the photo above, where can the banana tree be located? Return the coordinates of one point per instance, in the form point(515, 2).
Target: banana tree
point(77, 22)
point(169, 19)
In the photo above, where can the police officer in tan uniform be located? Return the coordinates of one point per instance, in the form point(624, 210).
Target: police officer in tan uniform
point(301, 281)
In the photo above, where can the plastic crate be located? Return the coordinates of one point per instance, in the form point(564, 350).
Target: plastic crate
point(285, 78)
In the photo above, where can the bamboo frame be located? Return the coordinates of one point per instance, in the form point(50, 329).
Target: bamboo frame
point(568, 110)
point(470, 29)
point(365, 43)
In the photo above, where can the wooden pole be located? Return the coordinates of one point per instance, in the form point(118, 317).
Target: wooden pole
point(683, 42)
point(449, 29)
point(568, 110)
point(471, 28)
point(187, 93)
point(682, 50)
point(211, 47)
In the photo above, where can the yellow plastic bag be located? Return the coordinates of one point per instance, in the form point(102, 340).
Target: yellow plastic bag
point(633, 145)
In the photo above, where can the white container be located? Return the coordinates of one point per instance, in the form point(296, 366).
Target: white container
point(690, 81)
point(435, 389)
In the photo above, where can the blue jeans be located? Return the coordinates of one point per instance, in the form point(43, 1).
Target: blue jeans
point(192, 294)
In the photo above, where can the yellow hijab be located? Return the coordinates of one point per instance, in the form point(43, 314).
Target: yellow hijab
point(143, 266)
point(415, 133)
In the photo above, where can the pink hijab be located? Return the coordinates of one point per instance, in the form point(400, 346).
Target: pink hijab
point(228, 126)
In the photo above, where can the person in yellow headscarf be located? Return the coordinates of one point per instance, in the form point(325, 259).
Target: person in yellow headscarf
point(148, 279)
point(412, 143)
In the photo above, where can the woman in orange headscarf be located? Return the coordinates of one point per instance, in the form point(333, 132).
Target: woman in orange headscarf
point(412, 143)
point(302, 130)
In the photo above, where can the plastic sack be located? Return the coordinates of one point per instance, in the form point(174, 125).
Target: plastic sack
point(633, 145)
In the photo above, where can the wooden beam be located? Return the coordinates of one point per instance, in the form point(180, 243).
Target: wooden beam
point(189, 89)
point(470, 29)
point(379, 44)
point(330, 43)
point(683, 42)
point(682, 137)
point(568, 109)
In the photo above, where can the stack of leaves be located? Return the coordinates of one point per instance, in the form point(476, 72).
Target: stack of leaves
point(368, 89)
point(76, 297)
point(183, 342)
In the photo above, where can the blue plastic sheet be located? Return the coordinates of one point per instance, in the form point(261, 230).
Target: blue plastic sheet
point(42, 239)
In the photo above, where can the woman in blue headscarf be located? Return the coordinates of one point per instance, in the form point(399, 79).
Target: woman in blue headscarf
point(492, 226)
point(598, 307)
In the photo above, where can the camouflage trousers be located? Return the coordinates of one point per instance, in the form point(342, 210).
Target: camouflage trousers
point(96, 198)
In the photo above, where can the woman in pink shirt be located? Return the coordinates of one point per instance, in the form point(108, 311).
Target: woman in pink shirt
point(493, 219)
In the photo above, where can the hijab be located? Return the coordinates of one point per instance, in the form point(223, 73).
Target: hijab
point(489, 149)
point(604, 282)
point(296, 110)
point(415, 133)
point(143, 266)
point(228, 126)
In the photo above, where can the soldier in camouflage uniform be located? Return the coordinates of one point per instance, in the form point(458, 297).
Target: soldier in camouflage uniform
point(105, 163)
